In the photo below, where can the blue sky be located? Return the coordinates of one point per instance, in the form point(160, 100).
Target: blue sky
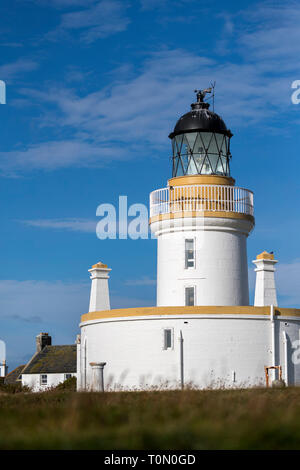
point(93, 90)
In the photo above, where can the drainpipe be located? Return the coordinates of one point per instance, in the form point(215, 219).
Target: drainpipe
point(286, 370)
point(272, 319)
point(181, 360)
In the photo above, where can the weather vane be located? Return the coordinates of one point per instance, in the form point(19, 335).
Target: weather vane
point(202, 93)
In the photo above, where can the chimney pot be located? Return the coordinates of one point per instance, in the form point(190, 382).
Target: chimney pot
point(42, 340)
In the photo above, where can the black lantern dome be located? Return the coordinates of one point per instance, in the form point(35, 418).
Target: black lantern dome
point(201, 141)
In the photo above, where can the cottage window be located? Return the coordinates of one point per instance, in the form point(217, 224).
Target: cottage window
point(44, 379)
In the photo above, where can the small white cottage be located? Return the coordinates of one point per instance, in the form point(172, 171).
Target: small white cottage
point(49, 366)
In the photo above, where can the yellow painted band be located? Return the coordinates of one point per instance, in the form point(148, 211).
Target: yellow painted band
point(201, 179)
point(196, 310)
point(187, 214)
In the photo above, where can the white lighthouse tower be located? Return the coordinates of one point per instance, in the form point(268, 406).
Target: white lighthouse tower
point(202, 332)
point(201, 220)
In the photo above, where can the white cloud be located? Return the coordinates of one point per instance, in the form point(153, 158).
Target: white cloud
point(142, 109)
point(65, 3)
point(53, 155)
point(74, 225)
point(13, 69)
point(144, 281)
point(102, 19)
point(139, 108)
point(274, 33)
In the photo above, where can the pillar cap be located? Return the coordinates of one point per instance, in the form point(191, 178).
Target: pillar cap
point(265, 255)
point(99, 265)
point(97, 364)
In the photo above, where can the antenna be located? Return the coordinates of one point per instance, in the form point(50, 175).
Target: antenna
point(213, 86)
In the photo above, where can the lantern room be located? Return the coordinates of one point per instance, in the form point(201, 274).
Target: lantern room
point(201, 141)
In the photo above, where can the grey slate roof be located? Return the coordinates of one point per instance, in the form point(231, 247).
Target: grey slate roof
point(13, 376)
point(53, 360)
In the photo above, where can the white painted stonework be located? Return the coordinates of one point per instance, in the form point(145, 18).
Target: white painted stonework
point(218, 350)
point(265, 289)
point(220, 275)
point(99, 298)
point(33, 381)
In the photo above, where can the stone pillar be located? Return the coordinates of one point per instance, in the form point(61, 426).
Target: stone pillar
point(97, 376)
point(99, 298)
point(265, 289)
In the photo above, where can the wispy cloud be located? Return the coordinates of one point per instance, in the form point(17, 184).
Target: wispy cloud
point(14, 69)
point(102, 19)
point(74, 225)
point(138, 108)
point(64, 3)
point(144, 281)
point(53, 155)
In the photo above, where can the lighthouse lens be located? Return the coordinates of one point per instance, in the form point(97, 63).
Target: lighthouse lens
point(201, 153)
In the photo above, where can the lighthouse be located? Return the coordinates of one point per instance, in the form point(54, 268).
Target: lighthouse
point(202, 332)
point(201, 219)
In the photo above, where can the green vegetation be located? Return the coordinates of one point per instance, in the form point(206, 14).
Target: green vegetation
point(220, 419)
point(13, 388)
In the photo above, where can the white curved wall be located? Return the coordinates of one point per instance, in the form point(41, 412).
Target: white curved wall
point(220, 275)
point(218, 351)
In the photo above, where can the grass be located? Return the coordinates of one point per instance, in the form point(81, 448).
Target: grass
point(214, 419)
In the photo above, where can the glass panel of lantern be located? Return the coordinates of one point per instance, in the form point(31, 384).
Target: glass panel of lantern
point(191, 137)
point(184, 161)
point(185, 149)
point(178, 142)
point(206, 168)
point(199, 160)
point(213, 146)
point(207, 140)
point(179, 170)
point(192, 169)
point(225, 164)
point(213, 162)
point(223, 144)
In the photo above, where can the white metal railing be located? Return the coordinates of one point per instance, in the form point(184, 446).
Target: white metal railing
point(201, 198)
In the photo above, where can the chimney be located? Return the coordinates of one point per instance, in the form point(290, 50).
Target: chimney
point(99, 298)
point(265, 288)
point(42, 340)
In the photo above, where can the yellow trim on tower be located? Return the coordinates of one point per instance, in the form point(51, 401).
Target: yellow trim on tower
point(201, 179)
point(187, 214)
point(197, 310)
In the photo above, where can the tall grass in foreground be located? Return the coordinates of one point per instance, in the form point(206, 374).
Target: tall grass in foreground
point(220, 419)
